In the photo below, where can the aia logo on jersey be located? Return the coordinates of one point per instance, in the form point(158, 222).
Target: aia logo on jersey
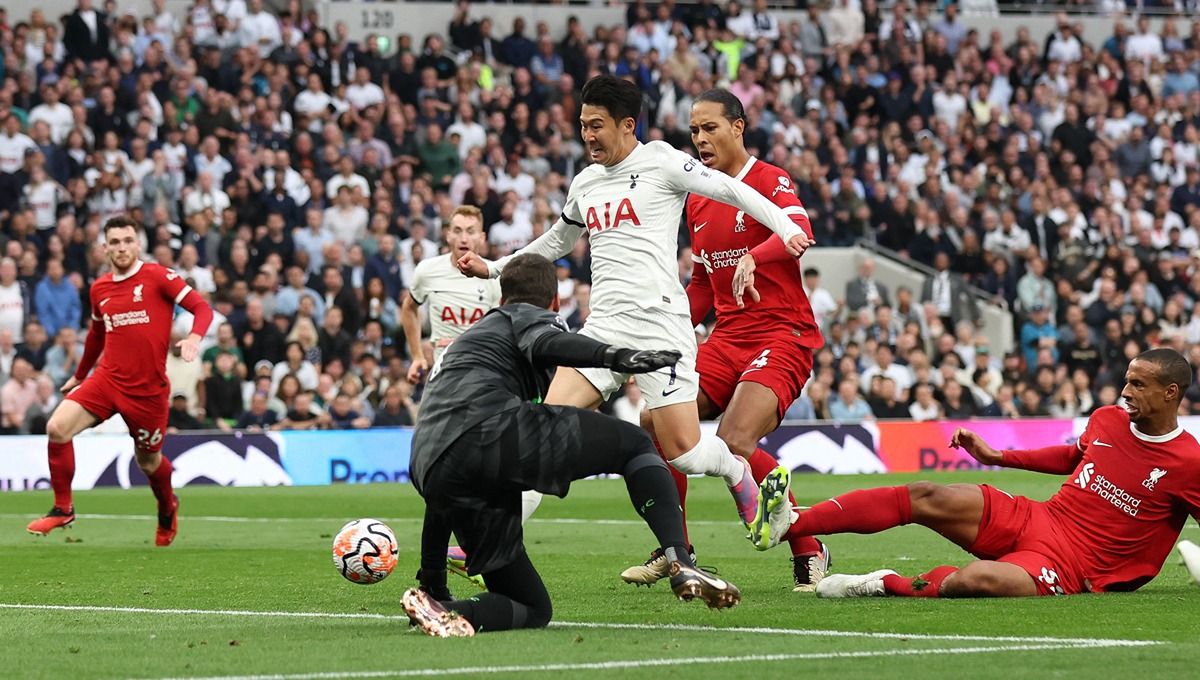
point(612, 218)
point(137, 292)
point(785, 186)
point(461, 316)
point(1155, 475)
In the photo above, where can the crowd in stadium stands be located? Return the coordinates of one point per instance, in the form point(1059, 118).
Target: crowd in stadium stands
point(296, 177)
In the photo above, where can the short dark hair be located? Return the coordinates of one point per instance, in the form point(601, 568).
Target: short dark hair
point(530, 279)
point(1172, 367)
point(731, 106)
point(620, 97)
point(120, 222)
point(811, 271)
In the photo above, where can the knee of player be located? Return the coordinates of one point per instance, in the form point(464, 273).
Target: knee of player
point(740, 442)
point(57, 431)
point(974, 580)
point(540, 615)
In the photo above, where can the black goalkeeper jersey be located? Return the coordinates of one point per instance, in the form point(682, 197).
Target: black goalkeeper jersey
point(489, 369)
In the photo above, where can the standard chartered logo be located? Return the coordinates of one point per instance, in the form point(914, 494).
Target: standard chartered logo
point(1085, 475)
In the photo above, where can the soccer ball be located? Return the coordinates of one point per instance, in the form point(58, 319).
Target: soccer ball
point(364, 551)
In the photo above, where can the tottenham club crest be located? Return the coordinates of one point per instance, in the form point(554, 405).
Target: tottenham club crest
point(137, 292)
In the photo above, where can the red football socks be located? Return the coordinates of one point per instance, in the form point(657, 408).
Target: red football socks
point(160, 484)
point(867, 511)
point(928, 584)
point(761, 464)
point(681, 485)
point(62, 472)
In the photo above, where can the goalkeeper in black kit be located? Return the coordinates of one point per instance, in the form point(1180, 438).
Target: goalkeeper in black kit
point(483, 437)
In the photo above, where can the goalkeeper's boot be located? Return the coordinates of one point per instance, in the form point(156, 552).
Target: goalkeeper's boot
point(432, 618)
point(690, 583)
point(456, 563)
point(55, 519)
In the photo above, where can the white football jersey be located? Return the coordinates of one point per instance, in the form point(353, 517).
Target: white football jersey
point(631, 212)
point(456, 302)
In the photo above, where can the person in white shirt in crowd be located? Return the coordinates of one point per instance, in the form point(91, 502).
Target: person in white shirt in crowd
point(512, 178)
point(14, 301)
point(513, 232)
point(363, 93)
point(187, 266)
point(206, 196)
point(1006, 239)
point(825, 308)
point(346, 220)
point(924, 406)
point(1144, 46)
point(313, 239)
point(293, 182)
point(43, 195)
point(211, 161)
point(470, 132)
point(56, 114)
point(884, 366)
point(314, 103)
point(418, 233)
point(346, 177)
point(259, 29)
point(13, 144)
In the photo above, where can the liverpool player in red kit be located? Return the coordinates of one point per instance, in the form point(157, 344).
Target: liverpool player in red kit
point(132, 309)
point(759, 354)
point(1134, 477)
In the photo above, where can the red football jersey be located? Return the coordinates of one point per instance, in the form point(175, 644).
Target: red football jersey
point(1127, 500)
point(137, 311)
point(722, 234)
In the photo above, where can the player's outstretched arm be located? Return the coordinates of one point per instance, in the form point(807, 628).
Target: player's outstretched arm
point(202, 316)
point(688, 175)
point(571, 349)
point(1053, 460)
point(556, 242)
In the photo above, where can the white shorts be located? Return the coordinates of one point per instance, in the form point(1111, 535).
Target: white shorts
point(647, 329)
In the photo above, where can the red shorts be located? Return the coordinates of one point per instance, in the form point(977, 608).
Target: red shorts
point(146, 416)
point(1017, 530)
point(776, 361)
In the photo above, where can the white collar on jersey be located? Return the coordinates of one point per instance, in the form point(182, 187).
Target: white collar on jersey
point(745, 169)
point(137, 267)
point(1156, 439)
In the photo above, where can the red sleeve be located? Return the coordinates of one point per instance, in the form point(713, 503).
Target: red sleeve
point(1053, 460)
point(171, 285)
point(91, 349)
point(200, 309)
point(699, 292)
point(782, 193)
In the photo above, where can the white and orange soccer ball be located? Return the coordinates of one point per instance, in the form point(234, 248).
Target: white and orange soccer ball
point(364, 551)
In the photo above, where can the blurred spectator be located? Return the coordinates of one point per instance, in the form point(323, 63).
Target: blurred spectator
point(19, 393)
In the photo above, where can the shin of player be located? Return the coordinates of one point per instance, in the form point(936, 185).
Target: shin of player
point(134, 304)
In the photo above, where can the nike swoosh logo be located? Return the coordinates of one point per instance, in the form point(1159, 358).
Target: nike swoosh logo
point(104, 301)
point(698, 227)
point(1097, 442)
point(667, 394)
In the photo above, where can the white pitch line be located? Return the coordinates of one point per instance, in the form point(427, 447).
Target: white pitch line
point(647, 663)
point(606, 626)
point(342, 520)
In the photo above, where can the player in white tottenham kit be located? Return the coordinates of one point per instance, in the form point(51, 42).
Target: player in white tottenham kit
point(630, 201)
point(455, 303)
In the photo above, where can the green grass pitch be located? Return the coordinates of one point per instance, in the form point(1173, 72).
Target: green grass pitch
point(243, 551)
